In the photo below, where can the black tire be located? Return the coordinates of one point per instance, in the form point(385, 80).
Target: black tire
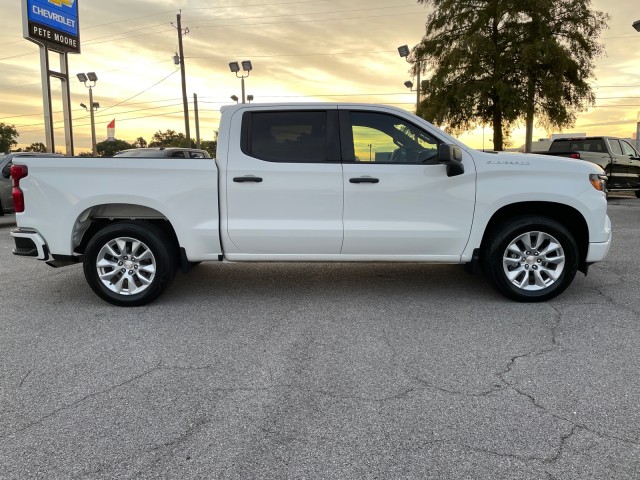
point(637, 193)
point(139, 280)
point(532, 271)
point(1, 209)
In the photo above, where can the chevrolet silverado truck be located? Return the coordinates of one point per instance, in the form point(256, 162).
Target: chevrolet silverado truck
point(617, 157)
point(314, 183)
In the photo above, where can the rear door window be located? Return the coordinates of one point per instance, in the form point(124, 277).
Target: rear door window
point(292, 136)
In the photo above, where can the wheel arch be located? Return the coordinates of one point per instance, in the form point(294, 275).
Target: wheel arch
point(568, 216)
point(95, 218)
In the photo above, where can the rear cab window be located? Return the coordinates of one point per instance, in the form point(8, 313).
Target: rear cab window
point(595, 145)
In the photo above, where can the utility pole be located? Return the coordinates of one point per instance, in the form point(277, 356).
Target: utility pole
point(182, 33)
point(195, 110)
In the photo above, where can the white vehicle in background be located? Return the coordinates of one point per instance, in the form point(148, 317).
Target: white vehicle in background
point(315, 183)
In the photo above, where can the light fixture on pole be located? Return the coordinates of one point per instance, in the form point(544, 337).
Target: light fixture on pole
point(90, 79)
point(636, 25)
point(234, 98)
point(246, 67)
point(404, 52)
point(249, 98)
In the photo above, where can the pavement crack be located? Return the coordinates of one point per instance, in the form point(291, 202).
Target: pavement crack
point(25, 378)
point(554, 345)
point(78, 402)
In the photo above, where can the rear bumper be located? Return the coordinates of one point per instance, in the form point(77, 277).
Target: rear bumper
point(29, 243)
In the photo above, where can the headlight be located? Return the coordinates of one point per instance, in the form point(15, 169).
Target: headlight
point(599, 182)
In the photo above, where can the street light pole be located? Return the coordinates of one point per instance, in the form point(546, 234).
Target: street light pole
point(94, 148)
point(636, 25)
point(247, 67)
point(90, 80)
point(404, 53)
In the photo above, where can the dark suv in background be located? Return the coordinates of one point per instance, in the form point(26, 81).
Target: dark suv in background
point(164, 152)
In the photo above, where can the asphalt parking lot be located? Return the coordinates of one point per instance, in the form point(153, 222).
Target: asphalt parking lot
point(312, 371)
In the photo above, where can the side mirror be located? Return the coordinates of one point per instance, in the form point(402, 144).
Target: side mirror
point(451, 156)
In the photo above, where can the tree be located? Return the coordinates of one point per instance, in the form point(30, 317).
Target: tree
point(110, 148)
point(170, 138)
point(559, 45)
point(140, 143)
point(488, 56)
point(210, 146)
point(8, 137)
point(36, 147)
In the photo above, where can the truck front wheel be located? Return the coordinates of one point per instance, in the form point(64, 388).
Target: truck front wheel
point(531, 259)
point(129, 264)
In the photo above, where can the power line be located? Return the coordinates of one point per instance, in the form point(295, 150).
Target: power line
point(143, 91)
point(307, 21)
point(60, 111)
point(226, 55)
point(99, 40)
point(306, 13)
point(173, 11)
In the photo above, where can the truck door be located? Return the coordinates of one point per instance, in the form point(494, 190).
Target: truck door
point(618, 171)
point(633, 172)
point(284, 183)
point(398, 201)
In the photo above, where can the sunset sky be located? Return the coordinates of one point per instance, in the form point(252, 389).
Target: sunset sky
point(309, 50)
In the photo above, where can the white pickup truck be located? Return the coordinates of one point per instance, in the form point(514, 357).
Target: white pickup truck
point(315, 183)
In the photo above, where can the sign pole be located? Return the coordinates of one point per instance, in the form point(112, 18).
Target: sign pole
point(66, 103)
point(46, 99)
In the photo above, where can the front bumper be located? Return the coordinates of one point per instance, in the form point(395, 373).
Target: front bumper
point(29, 243)
point(598, 250)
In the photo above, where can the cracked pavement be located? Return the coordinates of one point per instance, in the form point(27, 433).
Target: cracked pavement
point(274, 371)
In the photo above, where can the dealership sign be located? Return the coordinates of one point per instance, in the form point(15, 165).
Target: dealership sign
point(52, 23)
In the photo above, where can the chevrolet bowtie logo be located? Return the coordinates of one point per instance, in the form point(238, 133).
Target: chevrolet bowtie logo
point(68, 3)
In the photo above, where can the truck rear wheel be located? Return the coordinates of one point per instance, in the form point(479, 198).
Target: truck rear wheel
point(129, 264)
point(531, 259)
point(637, 193)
